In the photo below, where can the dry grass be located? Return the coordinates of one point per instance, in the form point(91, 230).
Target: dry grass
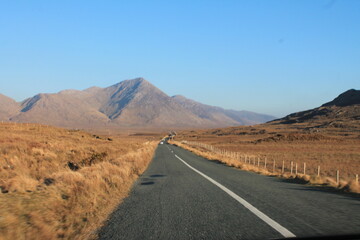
point(58, 183)
point(331, 150)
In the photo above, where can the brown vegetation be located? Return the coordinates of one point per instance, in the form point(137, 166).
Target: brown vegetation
point(58, 183)
point(249, 147)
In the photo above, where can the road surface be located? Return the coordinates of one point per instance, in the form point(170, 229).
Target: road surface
point(183, 196)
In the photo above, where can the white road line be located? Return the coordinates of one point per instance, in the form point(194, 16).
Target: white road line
point(283, 231)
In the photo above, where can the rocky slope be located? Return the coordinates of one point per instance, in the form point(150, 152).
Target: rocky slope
point(342, 112)
point(132, 103)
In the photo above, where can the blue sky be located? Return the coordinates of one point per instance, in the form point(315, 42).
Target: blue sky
point(273, 57)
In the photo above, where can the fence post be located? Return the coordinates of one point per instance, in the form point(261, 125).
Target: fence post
point(283, 167)
point(274, 166)
point(318, 171)
point(304, 168)
point(291, 167)
point(265, 163)
point(357, 179)
point(258, 162)
point(337, 177)
point(295, 168)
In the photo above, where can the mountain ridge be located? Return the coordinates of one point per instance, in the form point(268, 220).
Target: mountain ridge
point(8, 107)
point(342, 112)
point(134, 103)
point(347, 98)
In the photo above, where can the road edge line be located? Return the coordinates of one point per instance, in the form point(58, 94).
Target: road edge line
point(282, 230)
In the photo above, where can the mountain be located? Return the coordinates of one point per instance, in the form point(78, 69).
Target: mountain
point(65, 109)
point(132, 103)
point(342, 112)
point(221, 116)
point(348, 98)
point(8, 107)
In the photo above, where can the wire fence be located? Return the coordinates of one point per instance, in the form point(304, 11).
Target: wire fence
point(280, 166)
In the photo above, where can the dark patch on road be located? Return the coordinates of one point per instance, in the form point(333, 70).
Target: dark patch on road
point(157, 175)
point(147, 183)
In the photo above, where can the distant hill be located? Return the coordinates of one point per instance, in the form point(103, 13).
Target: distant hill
point(348, 98)
point(132, 103)
point(8, 107)
point(342, 112)
point(221, 116)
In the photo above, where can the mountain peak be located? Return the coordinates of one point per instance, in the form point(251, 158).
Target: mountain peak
point(133, 103)
point(350, 97)
point(131, 83)
point(138, 80)
point(341, 112)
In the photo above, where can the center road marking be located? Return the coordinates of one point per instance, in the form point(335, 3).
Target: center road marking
point(283, 231)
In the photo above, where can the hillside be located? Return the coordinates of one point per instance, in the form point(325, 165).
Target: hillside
point(8, 107)
point(320, 142)
point(348, 98)
point(342, 113)
point(219, 115)
point(130, 104)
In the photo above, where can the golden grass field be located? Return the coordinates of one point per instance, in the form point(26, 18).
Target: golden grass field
point(63, 184)
point(247, 147)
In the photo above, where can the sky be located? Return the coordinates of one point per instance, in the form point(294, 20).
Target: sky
point(271, 56)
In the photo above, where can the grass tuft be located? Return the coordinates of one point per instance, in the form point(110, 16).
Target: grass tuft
point(42, 197)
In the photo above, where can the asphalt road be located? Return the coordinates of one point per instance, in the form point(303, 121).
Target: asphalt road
point(183, 196)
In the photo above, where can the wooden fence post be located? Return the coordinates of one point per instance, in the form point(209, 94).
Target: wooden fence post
point(265, 163)
point(295, 168)
point(304, 168)
point(291, 167)
point(283, 167)
point(337, 177)
point(318, 171)
point(357, 179)
point(258, 162)
point(274, 166)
